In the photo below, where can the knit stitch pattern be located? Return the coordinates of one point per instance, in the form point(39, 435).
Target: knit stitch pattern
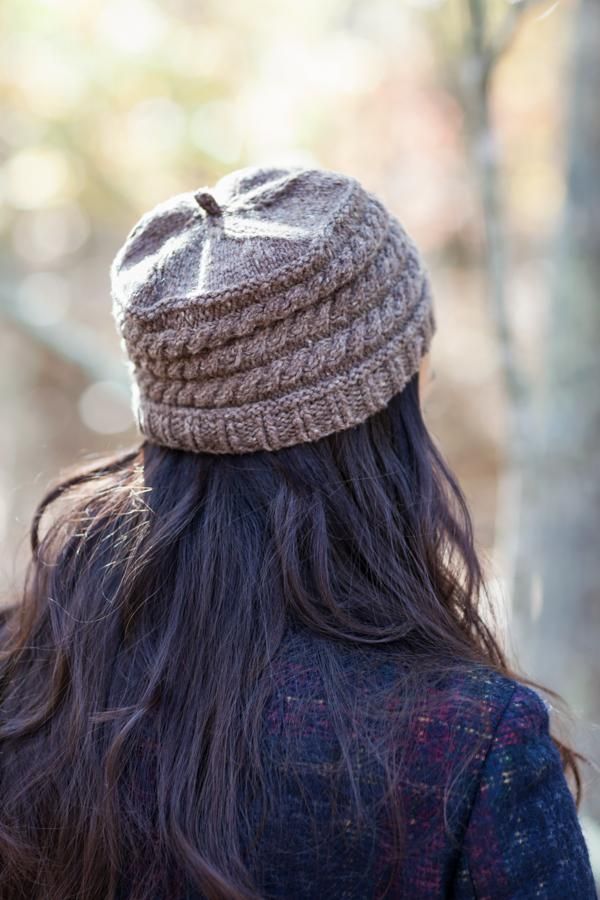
point(280, 306)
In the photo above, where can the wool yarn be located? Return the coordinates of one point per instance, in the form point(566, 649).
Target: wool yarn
point(277, 307)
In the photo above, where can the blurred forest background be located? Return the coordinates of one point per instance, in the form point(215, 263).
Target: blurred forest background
point(476, 121)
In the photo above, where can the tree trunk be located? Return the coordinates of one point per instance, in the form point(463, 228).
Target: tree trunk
point(563, 647)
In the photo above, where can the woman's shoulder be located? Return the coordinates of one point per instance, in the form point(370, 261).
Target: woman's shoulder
point(459, 711)
point(471, 724)
point(477, 694)
point(489, 700)
point(523, 836)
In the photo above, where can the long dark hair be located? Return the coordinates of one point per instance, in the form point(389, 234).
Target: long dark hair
point(134, 674)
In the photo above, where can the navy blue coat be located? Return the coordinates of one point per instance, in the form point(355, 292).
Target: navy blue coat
point(509, 826)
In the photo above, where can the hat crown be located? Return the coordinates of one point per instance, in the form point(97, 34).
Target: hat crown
point(271, 221)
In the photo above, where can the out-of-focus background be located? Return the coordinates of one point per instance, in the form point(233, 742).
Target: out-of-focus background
point(476, 121)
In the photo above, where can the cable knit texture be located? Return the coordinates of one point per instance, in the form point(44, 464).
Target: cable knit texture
point(280, 306)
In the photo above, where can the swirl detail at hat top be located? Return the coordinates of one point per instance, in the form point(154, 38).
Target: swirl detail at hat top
point(282, 305)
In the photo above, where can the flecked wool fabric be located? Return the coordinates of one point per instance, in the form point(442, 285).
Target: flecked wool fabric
point(487, 811)
point(282, 305)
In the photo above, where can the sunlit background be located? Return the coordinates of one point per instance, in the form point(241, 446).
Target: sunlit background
point(476, 121)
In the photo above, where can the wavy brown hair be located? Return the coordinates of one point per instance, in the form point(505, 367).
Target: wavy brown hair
point(134, 673)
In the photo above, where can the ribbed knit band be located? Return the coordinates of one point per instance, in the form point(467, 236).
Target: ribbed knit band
point(276, 308)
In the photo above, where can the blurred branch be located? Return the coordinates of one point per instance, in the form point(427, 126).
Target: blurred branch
point(483, 57)
point(500, 43)
point(485, 53)
point(74, 344)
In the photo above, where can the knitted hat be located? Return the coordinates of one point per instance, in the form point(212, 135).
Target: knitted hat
point(278, 307)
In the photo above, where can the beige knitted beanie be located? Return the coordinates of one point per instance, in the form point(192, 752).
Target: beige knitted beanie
point(280, 306)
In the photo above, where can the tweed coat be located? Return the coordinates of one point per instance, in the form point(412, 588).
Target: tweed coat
point(509, 826)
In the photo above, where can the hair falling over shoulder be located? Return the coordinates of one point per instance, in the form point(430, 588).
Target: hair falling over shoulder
point(134, 673)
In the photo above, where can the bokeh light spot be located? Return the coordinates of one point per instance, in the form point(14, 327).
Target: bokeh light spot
point(43, 297)
point(105, 408)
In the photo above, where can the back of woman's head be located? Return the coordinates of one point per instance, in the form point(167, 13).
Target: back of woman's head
point(135, 674)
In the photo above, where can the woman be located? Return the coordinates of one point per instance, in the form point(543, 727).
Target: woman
point(250, 661)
